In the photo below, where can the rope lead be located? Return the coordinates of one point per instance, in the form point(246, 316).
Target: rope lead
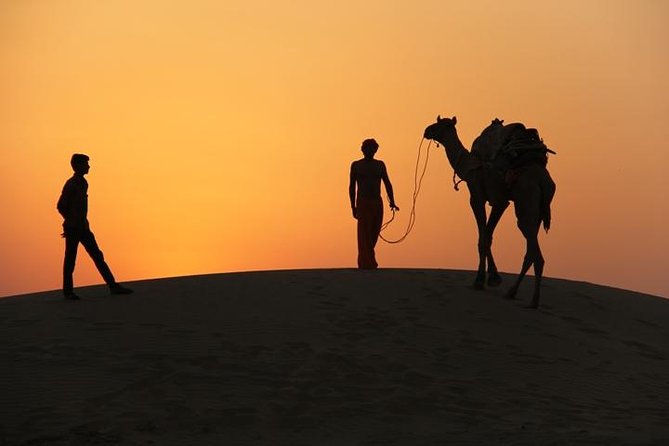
point(417, 182)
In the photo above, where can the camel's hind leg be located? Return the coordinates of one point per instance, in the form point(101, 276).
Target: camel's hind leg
point(513, 290)
point(538, 274)
point(534, 257)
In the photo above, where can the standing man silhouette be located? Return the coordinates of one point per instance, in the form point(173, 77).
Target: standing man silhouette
point(367, 174)
point(73, 206)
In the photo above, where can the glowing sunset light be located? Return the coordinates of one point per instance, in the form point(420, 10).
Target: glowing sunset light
point(221, 133)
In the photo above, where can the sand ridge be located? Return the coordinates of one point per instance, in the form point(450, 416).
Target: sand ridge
point(334, 357)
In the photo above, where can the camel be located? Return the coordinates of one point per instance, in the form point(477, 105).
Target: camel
point(531, 191)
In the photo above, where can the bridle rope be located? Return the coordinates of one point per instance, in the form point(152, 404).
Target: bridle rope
point(417, 183)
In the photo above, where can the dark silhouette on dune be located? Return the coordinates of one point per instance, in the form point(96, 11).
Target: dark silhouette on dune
point(506, 163)
point(367, 205)
point(73, 206)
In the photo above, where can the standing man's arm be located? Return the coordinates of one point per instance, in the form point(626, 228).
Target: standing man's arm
point(389, 188)
point(351, 191)
point(63, 201)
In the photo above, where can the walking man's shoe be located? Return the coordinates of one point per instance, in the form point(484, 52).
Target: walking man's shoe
point(118, 289)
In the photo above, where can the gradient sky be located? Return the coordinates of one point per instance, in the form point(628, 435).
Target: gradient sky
point(221, 132)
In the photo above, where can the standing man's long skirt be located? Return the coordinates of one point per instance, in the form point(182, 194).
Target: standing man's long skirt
point(370, 219)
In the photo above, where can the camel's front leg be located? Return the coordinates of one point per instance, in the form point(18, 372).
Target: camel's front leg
point(479, 213)
point(494, 279)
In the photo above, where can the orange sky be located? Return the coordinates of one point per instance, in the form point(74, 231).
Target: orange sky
point(221, 133)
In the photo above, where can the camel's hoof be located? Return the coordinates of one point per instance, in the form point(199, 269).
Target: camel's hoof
point(479, 281)
point(533, 305)
point(494, 280)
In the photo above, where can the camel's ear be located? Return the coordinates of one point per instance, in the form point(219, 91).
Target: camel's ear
point(455, 120)
point(438, 118)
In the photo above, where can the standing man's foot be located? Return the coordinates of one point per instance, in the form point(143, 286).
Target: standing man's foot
point(71, 296)
point(118, 289)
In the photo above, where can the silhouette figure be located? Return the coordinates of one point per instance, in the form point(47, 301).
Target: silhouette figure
point(367, 205)
point(501, 167)
point(73, 206)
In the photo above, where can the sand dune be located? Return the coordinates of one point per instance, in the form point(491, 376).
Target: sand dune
point(334, 357)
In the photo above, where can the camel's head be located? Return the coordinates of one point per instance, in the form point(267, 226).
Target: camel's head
point(437, 130)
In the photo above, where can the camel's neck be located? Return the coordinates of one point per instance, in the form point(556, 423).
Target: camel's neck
point(457, 154)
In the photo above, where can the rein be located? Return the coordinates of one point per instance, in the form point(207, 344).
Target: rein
point(417, 182)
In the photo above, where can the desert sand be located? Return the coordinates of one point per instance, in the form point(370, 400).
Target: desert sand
point(335, 357)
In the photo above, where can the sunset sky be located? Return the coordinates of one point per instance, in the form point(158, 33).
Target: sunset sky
point(221, 132)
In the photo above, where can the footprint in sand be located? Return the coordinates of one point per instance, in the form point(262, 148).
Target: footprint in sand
point(648, 324)
point(152, 325)
point(22, 322)
point(181, 331)
point(331, 305)
point(109, 325)
point(595, 331)
point(646, 350)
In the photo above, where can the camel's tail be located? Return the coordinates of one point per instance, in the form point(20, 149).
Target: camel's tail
point(547, 193)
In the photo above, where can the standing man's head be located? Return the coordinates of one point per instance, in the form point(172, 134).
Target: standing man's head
point(369, 147)
point(79, 163)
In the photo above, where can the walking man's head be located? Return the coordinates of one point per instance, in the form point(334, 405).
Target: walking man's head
point(369, 147)
point(79, 163)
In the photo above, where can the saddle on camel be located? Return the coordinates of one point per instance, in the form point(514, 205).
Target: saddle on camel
point(510, 148)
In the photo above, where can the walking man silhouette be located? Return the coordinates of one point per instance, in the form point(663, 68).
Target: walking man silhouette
point(73, 206)
point(367, 205)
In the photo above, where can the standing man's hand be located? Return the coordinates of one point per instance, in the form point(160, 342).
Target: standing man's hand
point(355, 212)
point(393, 207)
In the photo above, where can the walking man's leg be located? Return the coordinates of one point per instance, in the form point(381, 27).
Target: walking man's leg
point(91, 245)
point(71, 246)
